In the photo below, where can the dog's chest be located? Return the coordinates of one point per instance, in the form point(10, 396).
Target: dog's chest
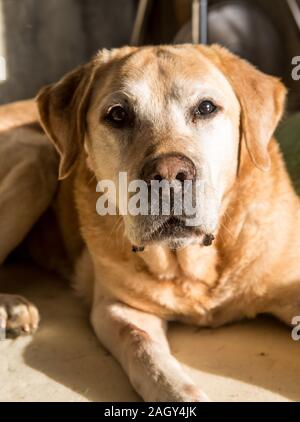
point(191, 295)
point(198, 301)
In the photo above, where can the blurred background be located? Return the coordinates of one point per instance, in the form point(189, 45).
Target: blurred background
point(40, 40)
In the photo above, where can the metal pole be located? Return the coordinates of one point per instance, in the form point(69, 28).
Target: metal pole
point(203, 21)
point(199, 21)
point(139, 22)
point(295, 10)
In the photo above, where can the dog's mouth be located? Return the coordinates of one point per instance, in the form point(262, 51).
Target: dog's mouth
point(171, 228)
point(174, 232)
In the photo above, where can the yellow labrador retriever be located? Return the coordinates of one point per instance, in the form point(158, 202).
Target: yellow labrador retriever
point(176, 113)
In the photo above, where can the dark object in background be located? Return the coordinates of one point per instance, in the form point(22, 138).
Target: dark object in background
point(246, 30)
point(277, 41)
point(44, 39)
point(288, 136)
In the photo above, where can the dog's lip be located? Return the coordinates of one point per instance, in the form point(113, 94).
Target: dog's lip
point(167, 230)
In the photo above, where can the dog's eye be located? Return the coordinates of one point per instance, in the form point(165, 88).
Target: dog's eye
point(205, 107)
point(117, 115)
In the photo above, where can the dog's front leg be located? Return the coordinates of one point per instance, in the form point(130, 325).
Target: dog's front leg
point(284, 302)
point(138, 341)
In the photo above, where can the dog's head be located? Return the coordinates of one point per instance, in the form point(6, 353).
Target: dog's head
point(169, 113)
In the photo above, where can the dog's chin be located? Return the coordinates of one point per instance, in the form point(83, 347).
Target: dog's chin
point(180, 243)
point(174, 233)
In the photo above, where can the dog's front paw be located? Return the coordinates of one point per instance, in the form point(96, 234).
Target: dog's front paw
point(17, 315)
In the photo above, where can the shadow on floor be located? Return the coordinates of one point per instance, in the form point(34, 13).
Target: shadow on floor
point(255, 360)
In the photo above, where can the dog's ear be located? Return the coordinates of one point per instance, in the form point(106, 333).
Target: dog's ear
point(62, 107)
point(262, 99)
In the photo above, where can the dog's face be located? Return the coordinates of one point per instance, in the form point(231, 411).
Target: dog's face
point(171, 113)
point(166, 114)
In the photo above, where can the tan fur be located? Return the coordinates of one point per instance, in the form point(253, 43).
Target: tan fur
point(253, 265)
point(17, 114)
point(28, 181)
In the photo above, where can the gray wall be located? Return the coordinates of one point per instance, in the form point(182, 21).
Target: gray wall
point(43, 39)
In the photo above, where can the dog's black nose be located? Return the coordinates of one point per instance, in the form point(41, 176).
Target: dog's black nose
point(169, 167)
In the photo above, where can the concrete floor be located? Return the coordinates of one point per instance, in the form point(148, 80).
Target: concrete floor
point(249, 361)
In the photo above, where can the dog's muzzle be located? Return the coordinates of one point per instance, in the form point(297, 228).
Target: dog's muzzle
point(170, 227)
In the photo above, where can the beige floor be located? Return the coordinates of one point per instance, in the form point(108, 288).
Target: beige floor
point(250, 361)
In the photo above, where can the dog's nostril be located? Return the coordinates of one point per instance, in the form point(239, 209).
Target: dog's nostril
point(181, 176)
point(169, 167)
